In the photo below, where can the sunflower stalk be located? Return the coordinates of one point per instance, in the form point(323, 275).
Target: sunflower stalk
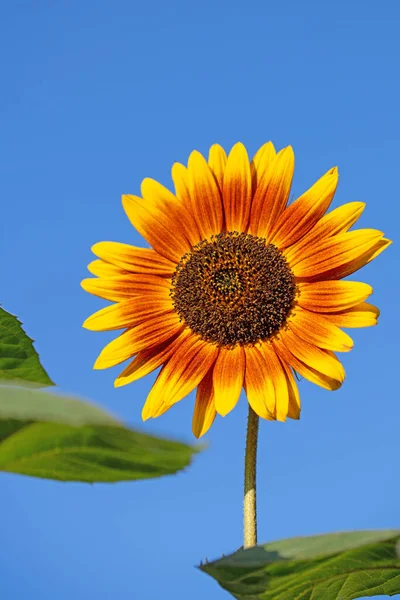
point(250, 472)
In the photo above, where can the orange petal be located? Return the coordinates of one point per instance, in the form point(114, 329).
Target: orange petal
point(357, 263)
point(298, 218)
point(149, 333)
point(333, 256)
point(314, 329)
point(133, 259)
point(157, 218)
point(228, 378)
point(216, 161)
point(150, 358)
point(204, 190)
point(319, 366)
point(180, 177)
point(294, 396)
point(204, 409)
point(362, 315)
point(104, 269)
point(278, 376)
point(129, 312)
point(332, 296)
point(337, 221)
point(180, 375)
point(259, 388)
point(126, 286)
point(237, 189)
point(307, 372)
point(272, 194)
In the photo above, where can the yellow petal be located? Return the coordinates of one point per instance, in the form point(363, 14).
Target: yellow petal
point(104, 269)
point(149, 359)
point(135, 260)
point(298, 218)
point(259, 388)
point(376, 251)
point(216, 161)
point(180, 177)
point(310, 361)
point(332, 296)
point(312, 374)
point(129, 312)
point(158, 196)
point(337, 221)
point(129, 285)
point(294, 396)
point(272, 194)
point(237, 189)
point(204, 409)
point(278, 376)
point(158, 221)
point(359, 261)
point(321, 360)
point(180, 375)
point(228, 378)
point(149, 333)
point(204, 190)
point(314, 329)
point(262, 161)
point(333, 256)
point(362, 315)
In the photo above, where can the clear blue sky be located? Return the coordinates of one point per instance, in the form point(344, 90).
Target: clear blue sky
point(95, 96)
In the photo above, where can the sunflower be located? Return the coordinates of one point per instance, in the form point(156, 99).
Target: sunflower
point(238, 290)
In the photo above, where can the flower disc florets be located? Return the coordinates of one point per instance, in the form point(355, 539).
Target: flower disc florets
point(233, 289)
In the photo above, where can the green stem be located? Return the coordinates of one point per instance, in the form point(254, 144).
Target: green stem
point(250, 468)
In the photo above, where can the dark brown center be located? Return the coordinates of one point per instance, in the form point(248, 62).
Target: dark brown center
point(233, 289)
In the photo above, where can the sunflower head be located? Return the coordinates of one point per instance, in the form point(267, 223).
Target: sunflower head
point(238, 290)
point(233, 289)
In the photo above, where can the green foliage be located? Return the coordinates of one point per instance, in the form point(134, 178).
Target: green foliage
point(55, 437)
point(18, 358)
point(340, 566)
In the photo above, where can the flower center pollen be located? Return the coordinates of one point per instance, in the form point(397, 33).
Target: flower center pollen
point(233, 289)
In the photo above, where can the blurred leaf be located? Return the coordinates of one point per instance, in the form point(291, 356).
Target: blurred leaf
point(339, 566)
point(18, 358)
point(56, 437)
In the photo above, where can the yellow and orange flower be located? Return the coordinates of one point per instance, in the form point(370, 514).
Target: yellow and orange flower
point(239, 288)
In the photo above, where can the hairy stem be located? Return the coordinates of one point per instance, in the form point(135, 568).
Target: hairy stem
point(250, 468)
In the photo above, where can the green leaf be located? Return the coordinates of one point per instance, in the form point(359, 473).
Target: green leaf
point(46, 435)
point(338, 566)
point(18, 358)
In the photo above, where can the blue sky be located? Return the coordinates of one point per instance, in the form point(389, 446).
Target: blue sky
point(95, 97)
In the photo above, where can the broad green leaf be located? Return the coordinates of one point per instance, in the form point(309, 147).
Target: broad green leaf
point(46, 435)
point(18, 358)
point(338, 566)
